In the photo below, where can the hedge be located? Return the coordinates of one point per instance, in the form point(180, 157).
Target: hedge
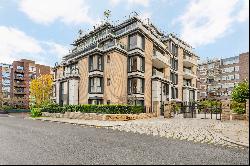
point(101, 109)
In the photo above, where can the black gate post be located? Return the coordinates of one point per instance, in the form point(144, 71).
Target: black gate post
point(211, 110)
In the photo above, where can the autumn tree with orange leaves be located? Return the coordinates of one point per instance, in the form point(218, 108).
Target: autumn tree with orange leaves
point(41, 89)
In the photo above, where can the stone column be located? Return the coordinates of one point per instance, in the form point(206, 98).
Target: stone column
point(167, 109)
point(157, 108)
point(225, 115)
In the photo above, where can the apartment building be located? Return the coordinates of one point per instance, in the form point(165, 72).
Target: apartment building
point(217, 78)
point(22, 73)
point(5, 72)
point(129, 63)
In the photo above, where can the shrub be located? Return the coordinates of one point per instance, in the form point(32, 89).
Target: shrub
point(101, 109)
point(237, 107)
point(36, 112)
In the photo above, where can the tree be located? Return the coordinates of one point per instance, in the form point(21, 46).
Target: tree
point(41, 89)
point(241, 92)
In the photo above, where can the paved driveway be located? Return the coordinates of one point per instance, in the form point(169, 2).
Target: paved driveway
point(24, 141)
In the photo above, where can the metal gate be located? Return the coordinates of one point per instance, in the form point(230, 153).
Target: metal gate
point(197, 111)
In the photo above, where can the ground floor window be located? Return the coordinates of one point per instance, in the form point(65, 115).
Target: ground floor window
point(95, 101)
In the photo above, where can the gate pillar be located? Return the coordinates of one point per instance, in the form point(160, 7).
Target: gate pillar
point(225, 115)
point(167, 109)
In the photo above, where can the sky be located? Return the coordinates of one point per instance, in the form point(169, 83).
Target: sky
point(42, 30)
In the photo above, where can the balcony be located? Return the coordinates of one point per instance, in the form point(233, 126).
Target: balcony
point(189, 61)
point(19, 78)
point(19, 85)
point(19, 93)
point(188, 74)
point(19, 70)
point(67, 75)
point(188, 85)
point(159, 60)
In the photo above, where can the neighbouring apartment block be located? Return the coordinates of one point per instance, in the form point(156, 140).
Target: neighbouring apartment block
point(5, 72)
point(129, 63)
point(217, 78)
point(16, 78)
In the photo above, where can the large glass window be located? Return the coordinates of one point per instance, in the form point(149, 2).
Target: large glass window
point(136, 63)
point(174, 50)
point(135, 85)
point(174, 93)
point(136, 41)
point(96, 63)
point(174, 78)
point(96, 85)
point(165, 89)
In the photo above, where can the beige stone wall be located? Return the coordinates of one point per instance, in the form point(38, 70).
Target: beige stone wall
point(123, 40)
point(180, 72)
point(148, 72)
point(59, 72)
point(116, 70)
point(83, 83)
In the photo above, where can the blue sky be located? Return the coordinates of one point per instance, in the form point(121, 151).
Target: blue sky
point(43, 30)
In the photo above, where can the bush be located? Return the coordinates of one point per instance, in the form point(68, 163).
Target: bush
point(101, 109)
point(36, 112)
point(237, 107)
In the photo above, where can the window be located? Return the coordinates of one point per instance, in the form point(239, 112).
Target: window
point(95, 63)
point(166, 89)
point(174, 93)
point(108, 59)
point(237, 76)
point(136, 85)
point(95, 101)
point(108, 82)
point(174, 64)
point(174, 50)
point(96, 85)
point(137, 41)
point(174, 78)
point(108, 102)
point(236, 68)
point(136, 63)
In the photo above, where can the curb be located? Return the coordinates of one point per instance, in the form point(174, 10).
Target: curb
point(73, 123)
point(234, 142)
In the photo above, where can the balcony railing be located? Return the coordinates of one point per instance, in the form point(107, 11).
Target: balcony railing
point(97, 89)
point(158, 73)
point(19, 78)
point(19, 71)
point(160, 60)
point(19, 85)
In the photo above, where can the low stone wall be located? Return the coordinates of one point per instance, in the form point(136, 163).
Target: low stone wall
point(227, 113)
point(94, 116)
point(238, 116)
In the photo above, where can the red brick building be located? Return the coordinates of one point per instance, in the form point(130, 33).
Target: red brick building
point(22, 73)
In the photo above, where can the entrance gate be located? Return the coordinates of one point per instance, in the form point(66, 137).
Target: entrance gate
point(197, 111)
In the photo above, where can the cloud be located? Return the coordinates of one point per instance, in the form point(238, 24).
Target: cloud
point(144, 3)
point(205, 21)
point(48, 11)
point(16, 45)
point(244, 12)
